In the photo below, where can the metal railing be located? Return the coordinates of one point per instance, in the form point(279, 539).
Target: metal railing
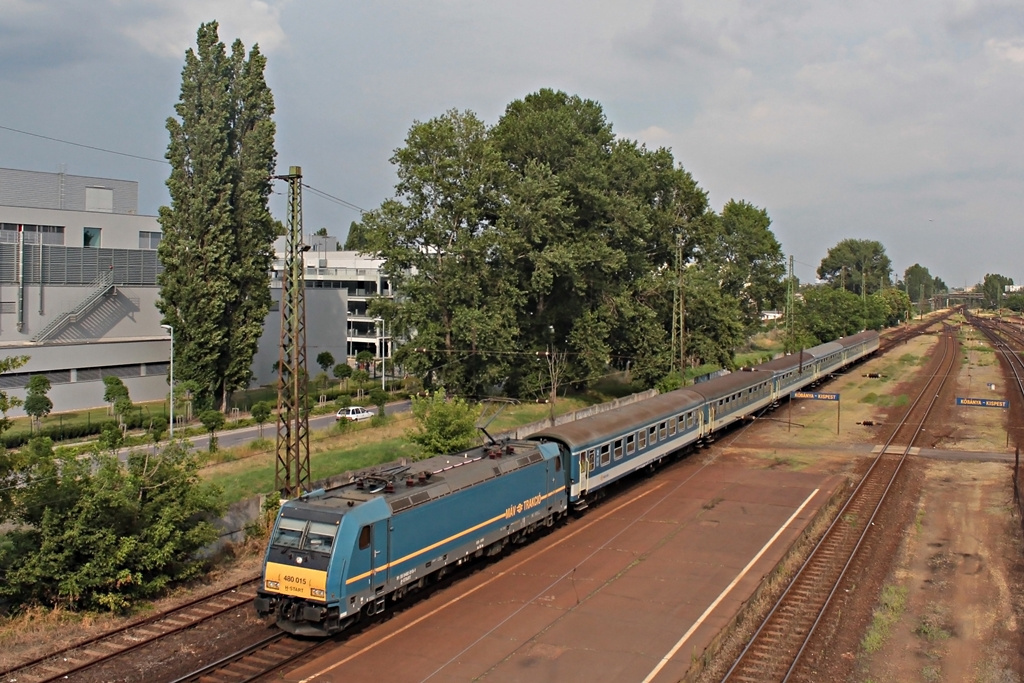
point(100, 286)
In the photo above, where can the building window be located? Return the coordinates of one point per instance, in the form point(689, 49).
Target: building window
point(91, 238)
point(33, 234)
point(149, 240)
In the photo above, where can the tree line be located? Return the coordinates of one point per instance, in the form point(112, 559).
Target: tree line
point(546, 234)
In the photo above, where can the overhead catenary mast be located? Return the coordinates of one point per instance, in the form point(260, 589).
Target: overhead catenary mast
point(293, 476)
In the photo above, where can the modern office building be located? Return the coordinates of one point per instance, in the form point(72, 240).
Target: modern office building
point(78, 292)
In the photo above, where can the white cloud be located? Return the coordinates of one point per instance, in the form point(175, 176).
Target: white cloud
point(1006, 50)
point(168, 27)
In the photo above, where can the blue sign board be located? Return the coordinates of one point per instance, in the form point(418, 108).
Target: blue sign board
point(982, 402)
point(815, 396)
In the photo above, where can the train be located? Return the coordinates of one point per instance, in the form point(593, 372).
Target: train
point(338, 554)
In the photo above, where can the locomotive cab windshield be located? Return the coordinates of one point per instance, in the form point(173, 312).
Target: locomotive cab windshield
point(308, 535)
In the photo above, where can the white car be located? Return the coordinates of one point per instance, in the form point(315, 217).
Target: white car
point(353, 414)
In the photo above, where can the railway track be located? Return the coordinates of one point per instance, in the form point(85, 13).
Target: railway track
point(256, 661)
point(105, 647)
point(904, 333)
point(777, 650)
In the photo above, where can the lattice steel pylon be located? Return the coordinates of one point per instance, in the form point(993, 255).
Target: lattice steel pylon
point(293, 475)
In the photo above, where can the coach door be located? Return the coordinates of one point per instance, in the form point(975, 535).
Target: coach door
point(586, 465)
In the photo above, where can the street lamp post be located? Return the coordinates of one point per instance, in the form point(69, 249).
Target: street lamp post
point(170, 329)
point(383, 376)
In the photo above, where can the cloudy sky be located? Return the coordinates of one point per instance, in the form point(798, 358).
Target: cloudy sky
point(893, 121)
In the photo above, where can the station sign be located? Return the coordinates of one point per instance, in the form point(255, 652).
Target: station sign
point(816, 396)
point(982, 402)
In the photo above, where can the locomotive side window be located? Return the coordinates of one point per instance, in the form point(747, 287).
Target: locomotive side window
point(630, 444)
point(289, 532)
point(618, 449)
point(364, 538)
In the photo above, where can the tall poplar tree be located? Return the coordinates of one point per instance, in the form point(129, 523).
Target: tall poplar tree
point(218, 233)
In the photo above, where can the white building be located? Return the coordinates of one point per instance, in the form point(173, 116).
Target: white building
point(78, 292)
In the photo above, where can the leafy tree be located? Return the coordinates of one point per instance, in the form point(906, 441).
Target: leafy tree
point(993, 288)
point(894, 305)
point(10, 462)
point(827, 313)
point(342, 371)
point(714, 322)
point(212, 421)
point(116, 393)
point(102, 534)
point(110, 439)
point(360, 376)
point(114, 389)
point(443, 249)
point(444, 425)
point(7, 402)
point(1015, 302)
point(920, 285)
point(261, 413)
point(157, 427)
point(325, 359)
point(218, 233)
point(356, 240)
point(594, 223)
point(753, 265)
point(37, 404)
point(853, 263)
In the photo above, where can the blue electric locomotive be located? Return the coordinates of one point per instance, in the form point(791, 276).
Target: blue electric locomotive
point(347, 550)
point(338, 553)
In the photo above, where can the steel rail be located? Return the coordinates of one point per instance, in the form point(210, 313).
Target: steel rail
point(189, 611)
point(255, 661)
point(799, 610)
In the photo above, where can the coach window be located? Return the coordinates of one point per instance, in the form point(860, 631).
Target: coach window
point(606, 454)
point(364, 538)
point(630, 444)
point(641, 438)
point(663, 430)
point(672, 426)
point(652, 435)
point(591, 460)
point(618, 449)
point(689, 420)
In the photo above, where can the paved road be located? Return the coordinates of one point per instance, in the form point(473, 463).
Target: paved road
point(228, 437)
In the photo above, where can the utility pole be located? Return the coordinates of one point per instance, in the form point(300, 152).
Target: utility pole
point(790, 296)
point(679, 312)
point(292, 476)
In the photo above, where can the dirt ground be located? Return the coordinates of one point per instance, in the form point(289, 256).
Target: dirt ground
point(943, 599)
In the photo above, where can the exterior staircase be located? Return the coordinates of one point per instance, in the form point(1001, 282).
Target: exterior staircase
point(98, 289)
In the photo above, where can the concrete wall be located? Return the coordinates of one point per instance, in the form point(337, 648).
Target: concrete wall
point(82, 392)
point(117, 231)
point(325, 331)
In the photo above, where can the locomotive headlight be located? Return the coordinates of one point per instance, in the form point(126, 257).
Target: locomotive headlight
point(317, 592)
point(273, 584)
